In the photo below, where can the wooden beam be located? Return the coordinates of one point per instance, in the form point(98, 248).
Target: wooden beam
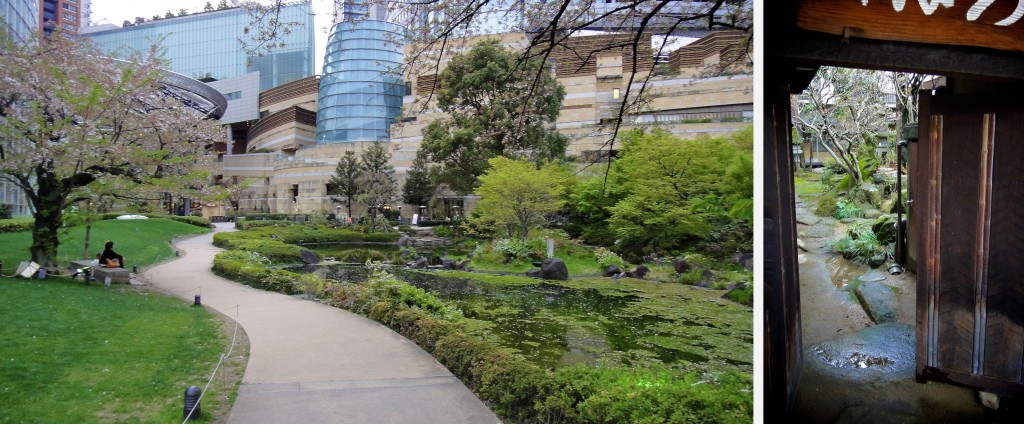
point(955, 23)
point(810, 49)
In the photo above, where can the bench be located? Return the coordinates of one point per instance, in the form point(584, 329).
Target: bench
point(117, 275)
point(99, 273)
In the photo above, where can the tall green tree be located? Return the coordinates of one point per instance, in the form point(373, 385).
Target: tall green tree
point(517, 196)
point(496, 107)
point(675, 191)
point(377, 181)
point(74, 124)
point(208, 7)
point(419, 187)
point(343, 187)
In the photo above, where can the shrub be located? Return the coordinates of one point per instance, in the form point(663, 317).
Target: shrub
point(607, 258)
point(246, 224)
point(745, 296)
point(847, 209)
point(859, 244)
point(16, 225)
point(691, 277)
point(6, 211)
point(444, 231)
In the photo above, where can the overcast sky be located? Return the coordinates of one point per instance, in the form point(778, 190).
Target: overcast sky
point(117, 11)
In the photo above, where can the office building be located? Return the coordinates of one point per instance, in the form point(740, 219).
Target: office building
point(206, 44)
point(70, 16)
point(19, 18)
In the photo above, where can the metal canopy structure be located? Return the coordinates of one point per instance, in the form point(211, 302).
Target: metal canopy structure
point(194, 94)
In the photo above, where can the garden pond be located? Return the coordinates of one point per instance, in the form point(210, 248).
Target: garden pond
point(591, 320)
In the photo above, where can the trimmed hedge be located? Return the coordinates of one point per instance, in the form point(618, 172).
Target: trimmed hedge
point(246, 268)
point(191, 220)
point(16, 225)
point(246, 224)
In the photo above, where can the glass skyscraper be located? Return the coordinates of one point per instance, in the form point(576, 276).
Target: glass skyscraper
point(19, 18)
point(361, 87)
point(206, 44)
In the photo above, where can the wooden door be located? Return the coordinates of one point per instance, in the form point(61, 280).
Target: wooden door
point(969, 194)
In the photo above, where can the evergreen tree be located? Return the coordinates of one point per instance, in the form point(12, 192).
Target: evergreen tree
point(419, 187)
point(343, 187)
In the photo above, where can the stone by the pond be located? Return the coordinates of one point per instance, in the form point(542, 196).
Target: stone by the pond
point(707, 275)
point(554, 269)
point(641, 271)
point(309, 257)
point(462, 265)
point(448, 264)
point(612, 271)
point(884, 228)
point(404, 254)
point(403, 240)
point(872, 213)
point(800, 244)
point(878, 300)
point(882, 352)
point(680, 265)
point(534, 273)
point(749, 264)
point(739, 258)
point(420, 263)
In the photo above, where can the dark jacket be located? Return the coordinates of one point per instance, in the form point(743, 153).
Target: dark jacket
point(111, 254)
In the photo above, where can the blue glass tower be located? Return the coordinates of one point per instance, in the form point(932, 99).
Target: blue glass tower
point(361, 89)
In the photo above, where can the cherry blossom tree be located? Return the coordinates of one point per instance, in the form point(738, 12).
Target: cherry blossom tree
point(75, 124)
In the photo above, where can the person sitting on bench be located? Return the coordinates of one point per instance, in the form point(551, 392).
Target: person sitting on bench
point(110, 258)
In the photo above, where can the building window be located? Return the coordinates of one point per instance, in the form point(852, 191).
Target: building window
point(70, 7)
point(68, 27)
point(233, 95)
point(408, 88)
point(70, 17)
point(615, 93)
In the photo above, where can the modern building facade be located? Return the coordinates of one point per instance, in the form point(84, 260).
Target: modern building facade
point(68, 16)
point(206, 44)
point(361, 88)
point(284, 172)
point(19, 18)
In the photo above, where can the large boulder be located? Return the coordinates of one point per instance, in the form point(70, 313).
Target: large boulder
point(680, 265)
point(462, 265)
point(641, 271)
point(554, 269)
point(534, 273)
point(403, 241)
point(612, 271)
point(420, 263)
point(740, 257)
point(448, 264)
point(309, 257)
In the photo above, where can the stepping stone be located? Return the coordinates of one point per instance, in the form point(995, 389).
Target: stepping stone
point(872, 276)
point(878, 300)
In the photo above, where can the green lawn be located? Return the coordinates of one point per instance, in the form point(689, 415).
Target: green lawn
point(77, 353)
point(72, 353)
point(142, 242)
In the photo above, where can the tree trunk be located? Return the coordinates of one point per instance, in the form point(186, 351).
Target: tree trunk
point(44, 236)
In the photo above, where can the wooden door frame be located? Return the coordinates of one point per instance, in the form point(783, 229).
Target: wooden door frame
point(790, 53)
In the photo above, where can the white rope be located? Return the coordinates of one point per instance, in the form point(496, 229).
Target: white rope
point(231, 348)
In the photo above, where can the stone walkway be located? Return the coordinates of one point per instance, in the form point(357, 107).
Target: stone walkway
point(312, 363)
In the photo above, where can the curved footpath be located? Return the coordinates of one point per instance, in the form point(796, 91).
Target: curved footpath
point(311, 363)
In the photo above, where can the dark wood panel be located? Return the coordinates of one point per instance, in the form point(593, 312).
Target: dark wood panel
point(959, 209)
point(879, 20)
point(920, 218)
point(782, 343)
point(1004, 329)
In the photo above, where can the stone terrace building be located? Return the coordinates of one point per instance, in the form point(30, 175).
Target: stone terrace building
point(286, 171)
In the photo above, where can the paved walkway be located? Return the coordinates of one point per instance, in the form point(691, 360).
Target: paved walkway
point(312, 363)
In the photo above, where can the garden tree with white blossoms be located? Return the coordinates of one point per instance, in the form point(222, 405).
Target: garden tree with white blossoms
point(75, 124)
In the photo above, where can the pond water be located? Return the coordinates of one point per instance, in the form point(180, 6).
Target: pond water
point(593, 320)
